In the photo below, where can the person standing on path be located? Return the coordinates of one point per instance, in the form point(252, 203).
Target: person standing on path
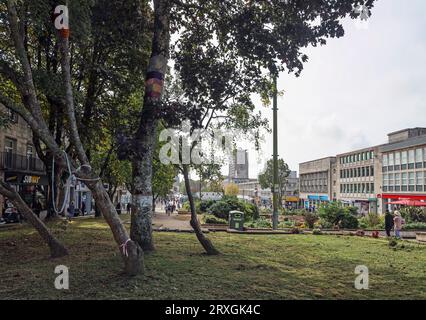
point(398, 222)
point(71, 211)
point(388, 223)
point(128, 208)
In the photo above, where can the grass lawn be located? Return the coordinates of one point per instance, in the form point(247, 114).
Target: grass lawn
point(250, 267)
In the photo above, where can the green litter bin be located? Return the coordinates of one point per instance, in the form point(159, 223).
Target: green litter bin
point(236, 220)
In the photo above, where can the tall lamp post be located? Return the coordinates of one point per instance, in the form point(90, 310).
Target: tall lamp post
point(275, 156)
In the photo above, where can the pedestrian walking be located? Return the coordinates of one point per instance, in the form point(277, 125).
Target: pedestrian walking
point(83, 208)
point(388, 223)
point(128, 208)
point(71, 211)
point(37, 208)
point(398, 222)
point(118, 208)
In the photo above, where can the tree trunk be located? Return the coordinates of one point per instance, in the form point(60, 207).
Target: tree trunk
point(195, 224)
point(131, 252)
point(57, 250)
point(145, 140)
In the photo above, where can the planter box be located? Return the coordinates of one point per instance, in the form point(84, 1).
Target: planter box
point(421, 236)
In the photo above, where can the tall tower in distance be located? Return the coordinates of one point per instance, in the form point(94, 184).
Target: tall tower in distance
point(239, 167)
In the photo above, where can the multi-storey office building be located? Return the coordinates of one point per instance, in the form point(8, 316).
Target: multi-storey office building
point(370, 178)
point(359, 179)
point(404, 166)
point(317, 181)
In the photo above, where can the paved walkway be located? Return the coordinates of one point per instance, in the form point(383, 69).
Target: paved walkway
point(174, 221)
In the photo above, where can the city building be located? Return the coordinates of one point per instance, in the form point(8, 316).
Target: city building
point(291, 193)
point(372, 177)
point(19, 164)
point(317, 182)
point(239, 167)
point(359, 179)
point(403, 166)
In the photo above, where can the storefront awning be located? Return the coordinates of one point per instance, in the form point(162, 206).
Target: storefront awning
point(404, 196)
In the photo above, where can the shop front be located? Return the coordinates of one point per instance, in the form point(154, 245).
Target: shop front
point(313, 202)
point(386, 198)
point(30, 187)
point(291, 202)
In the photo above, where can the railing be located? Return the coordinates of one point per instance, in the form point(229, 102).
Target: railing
point(13, 161)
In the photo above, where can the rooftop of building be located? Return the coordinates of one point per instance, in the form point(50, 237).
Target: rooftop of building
point(408, 143)
point(407, 129)
point(325, 158)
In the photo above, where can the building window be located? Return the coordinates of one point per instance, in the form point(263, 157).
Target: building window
point(419, 158)
point(397, 183)
point(411, 159)
point(397, 161)
point(404, 160)
point(385, 182)
point(391, 159)
point(385, 160)
point(9, 145)
point(424, 158)
point(411, 181)
point(419, 181)
point(30, 151)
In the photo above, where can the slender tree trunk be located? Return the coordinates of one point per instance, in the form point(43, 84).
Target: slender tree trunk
point(205, 242)
point(146, 137)
point(131, 252)
point(57, 250)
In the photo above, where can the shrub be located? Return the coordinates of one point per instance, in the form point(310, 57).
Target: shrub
point(263, 223)
point(296, 212)
point(316, 232)
point(375, 234)
point(413, 214)
point(265, 211)
point(415, 226)
point(323, 224)
point(251, 211)
point(220, 209)
point(204, 205)
point(310, 219)
point(186, 206)
point(349, 221)
point(295, 230)
point(335, 213)
point(260, 223)
point(208, 218)
point(286, 224)
point(363, 223)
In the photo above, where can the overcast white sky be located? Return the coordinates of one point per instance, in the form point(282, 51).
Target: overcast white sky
point(354, 90)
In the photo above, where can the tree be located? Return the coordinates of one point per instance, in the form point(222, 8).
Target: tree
point(30, 110)
point(235, 45)
point(231, 189)
point(266, 178)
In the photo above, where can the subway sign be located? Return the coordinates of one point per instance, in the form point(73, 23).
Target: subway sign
point(31, 179)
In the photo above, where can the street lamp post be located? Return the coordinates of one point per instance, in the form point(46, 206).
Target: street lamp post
point(275, 156)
